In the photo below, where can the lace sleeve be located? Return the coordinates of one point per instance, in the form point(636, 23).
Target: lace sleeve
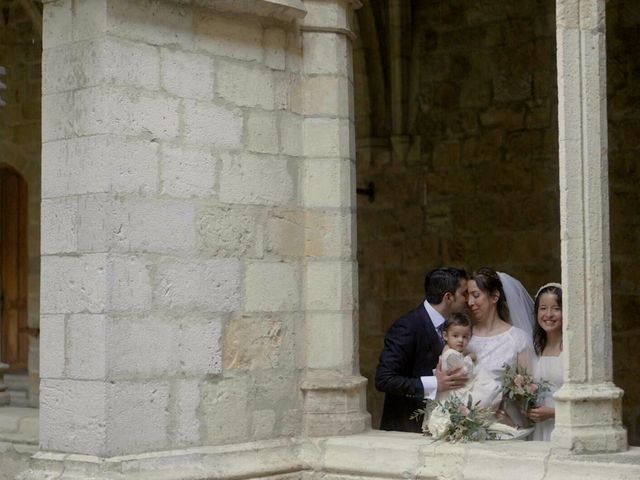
point(524, 347)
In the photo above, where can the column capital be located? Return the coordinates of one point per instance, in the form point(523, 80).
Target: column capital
point(334, 16)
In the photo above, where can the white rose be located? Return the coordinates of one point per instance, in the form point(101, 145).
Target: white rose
point(439, 422)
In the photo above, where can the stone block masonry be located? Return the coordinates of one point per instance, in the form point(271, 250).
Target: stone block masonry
point(170, 305)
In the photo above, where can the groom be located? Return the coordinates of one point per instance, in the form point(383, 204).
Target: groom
point(407, 370)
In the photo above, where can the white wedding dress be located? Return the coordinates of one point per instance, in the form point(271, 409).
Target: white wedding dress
point(550, 369)
point(492, 353)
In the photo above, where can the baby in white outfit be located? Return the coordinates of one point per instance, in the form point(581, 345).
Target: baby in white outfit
point(457, 332)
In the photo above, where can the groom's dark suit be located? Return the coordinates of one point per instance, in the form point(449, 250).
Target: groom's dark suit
point(412, 348)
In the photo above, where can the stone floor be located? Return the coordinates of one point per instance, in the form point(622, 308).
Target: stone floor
point(18, 439)
point(19, 424)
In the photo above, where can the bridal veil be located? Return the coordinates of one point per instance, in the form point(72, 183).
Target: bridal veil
point(519, 302)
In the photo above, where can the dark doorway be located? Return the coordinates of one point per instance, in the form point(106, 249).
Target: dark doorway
point(13, 269)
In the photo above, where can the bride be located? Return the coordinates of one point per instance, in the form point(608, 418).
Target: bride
point(502, 311)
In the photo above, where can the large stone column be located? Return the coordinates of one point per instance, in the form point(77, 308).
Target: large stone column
point(334, 392)
point(170, 300)
point(588, 406)
point(131, 311)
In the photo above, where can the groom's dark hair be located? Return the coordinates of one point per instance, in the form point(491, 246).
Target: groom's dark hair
point(442, 280)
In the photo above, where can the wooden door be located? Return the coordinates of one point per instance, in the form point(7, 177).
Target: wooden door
point(14, 343)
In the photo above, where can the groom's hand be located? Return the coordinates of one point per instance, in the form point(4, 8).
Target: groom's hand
point(451, 380)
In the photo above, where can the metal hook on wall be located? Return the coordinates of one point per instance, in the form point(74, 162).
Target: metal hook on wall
point(370, 191)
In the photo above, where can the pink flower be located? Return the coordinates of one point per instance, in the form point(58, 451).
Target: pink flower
point(532, 388)
point(518, 380)
point(463, 410)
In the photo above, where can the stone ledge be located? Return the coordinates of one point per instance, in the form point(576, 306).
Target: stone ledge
point(281, 9)
point(286, 10)
point(248, 460)
point(370, 455)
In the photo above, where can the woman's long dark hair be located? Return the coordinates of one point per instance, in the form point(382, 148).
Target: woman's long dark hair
point(489, 282)
point(539, 335)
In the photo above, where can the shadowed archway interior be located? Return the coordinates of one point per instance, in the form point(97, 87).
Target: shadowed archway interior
point(456, 122)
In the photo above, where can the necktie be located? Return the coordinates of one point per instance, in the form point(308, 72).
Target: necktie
point(440, 329)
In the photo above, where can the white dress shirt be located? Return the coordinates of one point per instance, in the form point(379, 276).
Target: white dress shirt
point(430, 383)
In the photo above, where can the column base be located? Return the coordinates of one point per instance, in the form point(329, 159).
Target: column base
point(334, 404)
point(589, 418)
point(4, 391)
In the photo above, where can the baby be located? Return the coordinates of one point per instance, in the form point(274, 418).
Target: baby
point(457, 332)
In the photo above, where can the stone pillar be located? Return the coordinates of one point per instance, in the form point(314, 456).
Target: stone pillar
point(334, 392)
point(588, 406)
point(132, 302)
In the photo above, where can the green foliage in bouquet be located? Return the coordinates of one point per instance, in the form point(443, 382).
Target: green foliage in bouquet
point(520, 387)
point(454, 421)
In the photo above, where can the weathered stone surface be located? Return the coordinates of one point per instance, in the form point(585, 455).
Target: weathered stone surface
point(187, 172)
point(284, 234)
point(245, 85)
point(234, 38)
point(328, 285)
point(208, 124)
point(226, 231)
point(52, 341)
point(187, 75)
point(186, 401)
point(59, 225)
point(140, 403)
point(271, 287)
point(73, 415)
point(326, 183)
point(224, 407)
point(254, 179)
point(274, 48)
point(212, 285)
point(252, 342)
point(262, 132)
point(75, 284)
point(85, 347)
point(136, 224)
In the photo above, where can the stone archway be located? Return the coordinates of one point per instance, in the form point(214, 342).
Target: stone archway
point(483, 188)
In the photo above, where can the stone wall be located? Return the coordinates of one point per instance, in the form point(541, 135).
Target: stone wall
point(623, 83)
point(20, 142)
point(484, 189)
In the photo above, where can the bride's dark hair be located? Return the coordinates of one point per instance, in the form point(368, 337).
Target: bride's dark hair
point(489, 282)
point(539, 335)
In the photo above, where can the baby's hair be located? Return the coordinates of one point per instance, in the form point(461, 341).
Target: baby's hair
point(460, 319)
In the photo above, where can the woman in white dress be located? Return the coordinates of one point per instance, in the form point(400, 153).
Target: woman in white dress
point(547, 340)
point(496, 341)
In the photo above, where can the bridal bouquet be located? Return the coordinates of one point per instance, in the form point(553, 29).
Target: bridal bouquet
point(454, 421)
point(519, 386)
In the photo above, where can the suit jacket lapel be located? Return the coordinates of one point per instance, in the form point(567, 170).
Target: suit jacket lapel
point(434, 339)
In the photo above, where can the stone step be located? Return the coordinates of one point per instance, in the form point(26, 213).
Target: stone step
point(19, 398)
point(17, 381)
